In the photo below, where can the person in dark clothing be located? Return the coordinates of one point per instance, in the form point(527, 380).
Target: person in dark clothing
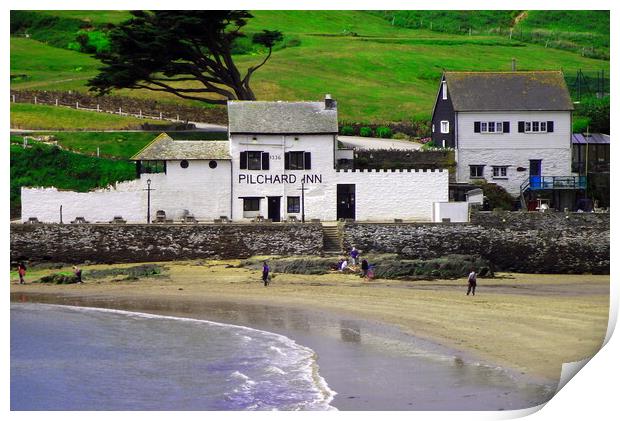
point(364, 268)
point(354, 255)
point(472, 283)
point(78, 274)
point(265, 273)
point(21, 270)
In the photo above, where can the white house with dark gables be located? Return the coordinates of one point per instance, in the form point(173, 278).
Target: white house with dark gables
point(509, 128)
point(281, 162)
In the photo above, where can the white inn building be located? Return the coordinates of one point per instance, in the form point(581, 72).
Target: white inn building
point(281, 161)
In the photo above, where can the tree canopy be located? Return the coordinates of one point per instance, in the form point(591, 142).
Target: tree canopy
point(164, 50)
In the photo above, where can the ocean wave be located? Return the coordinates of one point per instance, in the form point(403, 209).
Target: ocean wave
point(298, 363)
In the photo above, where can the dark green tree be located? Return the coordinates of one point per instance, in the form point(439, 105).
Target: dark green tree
point(161, 50)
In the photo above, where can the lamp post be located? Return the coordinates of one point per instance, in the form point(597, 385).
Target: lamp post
point(148, 201)
point(303, 207)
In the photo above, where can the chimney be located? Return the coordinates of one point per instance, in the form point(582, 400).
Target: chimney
point(330, 104)
point(514, 64)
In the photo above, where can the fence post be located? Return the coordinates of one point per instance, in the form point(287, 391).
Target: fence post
point(97, 151)
point(98, 108)
point(35, 99)
point(77, 105)
point(119, 111)
point(56, 102)
point(13, 98)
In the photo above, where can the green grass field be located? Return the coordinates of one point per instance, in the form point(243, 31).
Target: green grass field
point(49, 117)
point(385, 73)
point(116, 144)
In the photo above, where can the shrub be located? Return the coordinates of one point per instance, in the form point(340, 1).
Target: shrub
point(347, 131)
point(365, 131)
point(580, 124)
point(384, 132)
point(428, 145)
point(497, 197)
point(401, 136)
point(58, 279)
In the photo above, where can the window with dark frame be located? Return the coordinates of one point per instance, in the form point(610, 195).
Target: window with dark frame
point(293, 204)
point(251, 204)
point(476, 171)
point(297, 160)
point(254, 160)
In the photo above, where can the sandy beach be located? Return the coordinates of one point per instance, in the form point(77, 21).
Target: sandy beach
point(517, 330)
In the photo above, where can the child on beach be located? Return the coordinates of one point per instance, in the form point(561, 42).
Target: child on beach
point(354, 255)
point(265, 273)
point(78, 274)
point(21, 270)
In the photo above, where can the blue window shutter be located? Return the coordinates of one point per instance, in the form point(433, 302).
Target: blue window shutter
point(549, 126)
point(287, 165)
point(243, 161)
point(476, 127)
point(521, 128)
point(307, 161)
point(506, 126)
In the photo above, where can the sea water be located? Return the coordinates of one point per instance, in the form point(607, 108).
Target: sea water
point(78, 358)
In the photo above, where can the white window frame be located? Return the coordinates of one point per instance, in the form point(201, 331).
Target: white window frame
point(500, 171)
point(485, 127)
point(535, 127)
point(445, 126)
point(444, 90)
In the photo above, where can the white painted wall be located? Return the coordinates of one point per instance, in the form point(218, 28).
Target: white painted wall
point(206, 192)
point(513, 149)
point(321, 147)
point(203, 191)
point(455, 211)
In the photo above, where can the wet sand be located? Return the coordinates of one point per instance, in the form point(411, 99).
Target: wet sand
point(387, 345)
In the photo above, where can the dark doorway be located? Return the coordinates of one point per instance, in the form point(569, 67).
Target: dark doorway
point(535, 167)
point(273, 208)
point(345, 196)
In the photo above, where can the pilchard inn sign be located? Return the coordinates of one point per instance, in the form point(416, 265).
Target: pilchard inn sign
point(279, 179)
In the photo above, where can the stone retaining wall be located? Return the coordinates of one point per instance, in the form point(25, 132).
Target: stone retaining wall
point(541, 221)
point(143, 243)
point(517, 248)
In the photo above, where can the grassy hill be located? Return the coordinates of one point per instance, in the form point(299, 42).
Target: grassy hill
point(46, 117)
point(378, 72)
point(583, 31)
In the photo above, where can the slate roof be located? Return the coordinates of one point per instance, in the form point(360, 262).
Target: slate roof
point(164, 148)
point(508, 91)
point(592, 138)
point(281, 117)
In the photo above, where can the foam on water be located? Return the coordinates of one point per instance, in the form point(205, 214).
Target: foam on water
point(273, 373)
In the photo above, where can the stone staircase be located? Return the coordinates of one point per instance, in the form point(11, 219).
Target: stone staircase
point(332, 243)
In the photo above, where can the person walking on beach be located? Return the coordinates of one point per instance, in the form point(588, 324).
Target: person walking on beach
point(78, 274)
point(472, 282)
point(21, 270)
point(354, 255)
point(265, 273)
point(364, 268)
